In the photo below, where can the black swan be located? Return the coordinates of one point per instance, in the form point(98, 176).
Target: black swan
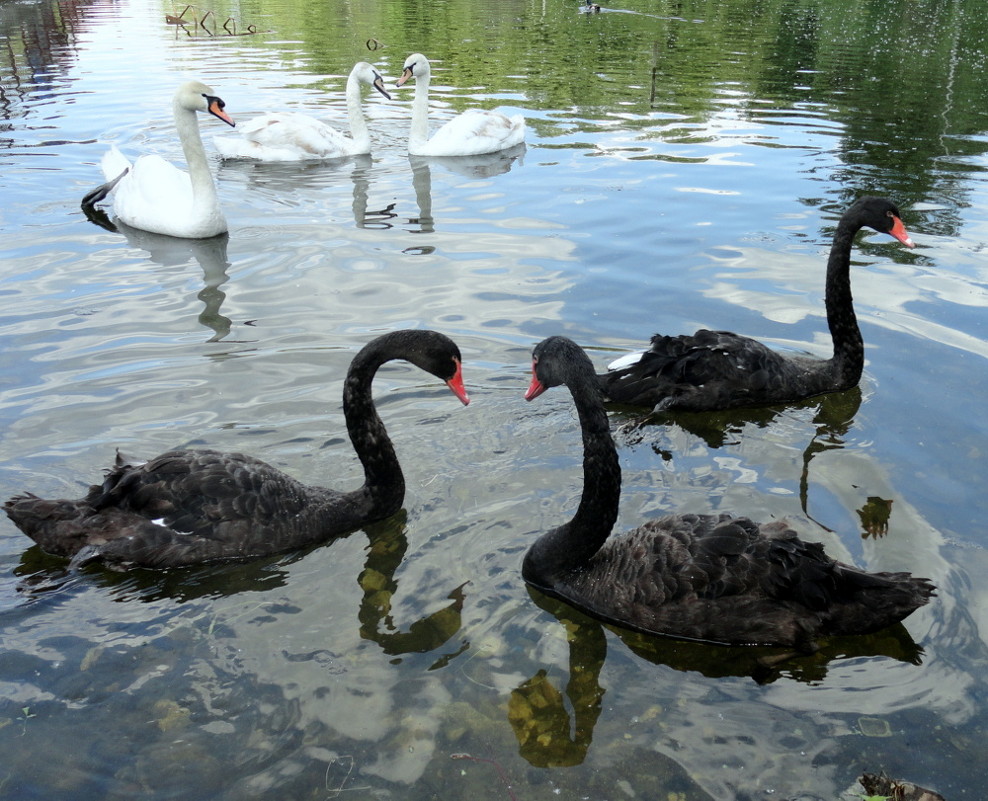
point(191, 506)
point(715, 578)
point(713, 370)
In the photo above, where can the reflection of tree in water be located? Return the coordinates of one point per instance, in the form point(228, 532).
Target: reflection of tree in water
point(875, 516)
point(549, 735)
point(40, 46)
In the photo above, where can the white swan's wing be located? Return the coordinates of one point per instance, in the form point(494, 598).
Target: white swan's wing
point(154, 196)
point(285, 136)
point(474, 132)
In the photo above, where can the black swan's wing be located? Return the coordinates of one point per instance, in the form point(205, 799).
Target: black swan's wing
point(704, 371)
point(185, 507)
point(727, 579)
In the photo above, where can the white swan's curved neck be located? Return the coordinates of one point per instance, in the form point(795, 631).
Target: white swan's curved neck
point(418, 134)
point(358, 124)
point(203, 189)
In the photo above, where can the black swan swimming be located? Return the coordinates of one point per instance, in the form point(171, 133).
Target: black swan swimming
point(716, 578)
point(191, 506)
point(713, 370)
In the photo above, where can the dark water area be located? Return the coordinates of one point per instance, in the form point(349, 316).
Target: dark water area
point(685, 166)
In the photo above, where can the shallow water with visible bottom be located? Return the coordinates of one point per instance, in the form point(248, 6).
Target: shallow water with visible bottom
point(685, 166)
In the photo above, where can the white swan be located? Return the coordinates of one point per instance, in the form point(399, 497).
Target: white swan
point(155, 195)
point(471, 133)
point(291, 136)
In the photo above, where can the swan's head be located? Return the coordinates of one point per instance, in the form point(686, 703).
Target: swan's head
point(368, 73)
point(417, 67)
point(196, 96)
point(558, 360)
point(430, 351)
point(882, 215)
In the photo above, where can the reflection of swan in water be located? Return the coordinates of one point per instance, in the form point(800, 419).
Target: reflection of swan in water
point(537, 711)
point(250, 609)
point(541, 721)
point(833, 419)
point(287, 182)
point(388, 544)
point(479, 167)
point(170, 251)
point(484, 165)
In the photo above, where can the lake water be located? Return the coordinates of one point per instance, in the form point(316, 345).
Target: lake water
point(686, 163)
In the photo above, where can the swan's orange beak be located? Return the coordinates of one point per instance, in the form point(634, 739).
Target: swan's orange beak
point(215, 106)
point(456, 385)
point(536, 388)
point(899, 232)
point(405, 75)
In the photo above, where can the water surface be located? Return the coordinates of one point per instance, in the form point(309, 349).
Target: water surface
point(685, 166)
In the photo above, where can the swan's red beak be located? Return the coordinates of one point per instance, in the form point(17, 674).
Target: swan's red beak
point(536, 388)
point(456, 385)
point(899, 232)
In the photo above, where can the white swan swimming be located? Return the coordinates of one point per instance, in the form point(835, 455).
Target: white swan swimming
point(291, 136)
point(155, 195)
point(469, 134)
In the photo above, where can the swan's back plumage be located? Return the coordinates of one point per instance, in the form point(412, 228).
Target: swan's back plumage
point(474, 132)
point(711, 370)
point(186, 507)
point(728, 580)
point(717, 578)
point(285, 136)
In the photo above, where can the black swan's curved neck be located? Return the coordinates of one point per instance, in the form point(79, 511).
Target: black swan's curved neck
point(572, 545)
point(848, 359)
point(384, 483)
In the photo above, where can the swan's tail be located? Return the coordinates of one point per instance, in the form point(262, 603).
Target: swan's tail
point(877, 600)
point(60, 527)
